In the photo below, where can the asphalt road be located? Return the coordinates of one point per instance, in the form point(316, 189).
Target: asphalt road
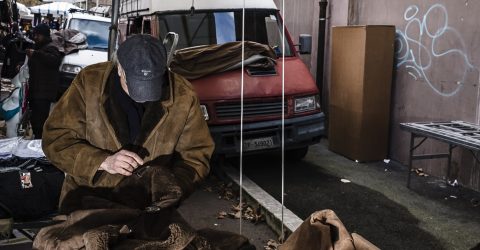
point(376, 204)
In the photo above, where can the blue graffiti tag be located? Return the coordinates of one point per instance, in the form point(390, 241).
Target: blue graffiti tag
point(418, 61)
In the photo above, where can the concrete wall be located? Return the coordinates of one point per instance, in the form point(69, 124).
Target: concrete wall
point(437, 71)
point(437, 65)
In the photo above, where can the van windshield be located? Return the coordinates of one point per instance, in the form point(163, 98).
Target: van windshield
point(204, 28)
point(96, 32)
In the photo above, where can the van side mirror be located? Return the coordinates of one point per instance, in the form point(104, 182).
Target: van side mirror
point(305, 41)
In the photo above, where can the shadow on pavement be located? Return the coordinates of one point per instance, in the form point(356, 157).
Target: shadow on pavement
point(387, 224)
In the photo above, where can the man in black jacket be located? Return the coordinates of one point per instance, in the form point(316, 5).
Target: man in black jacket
point(43, 65)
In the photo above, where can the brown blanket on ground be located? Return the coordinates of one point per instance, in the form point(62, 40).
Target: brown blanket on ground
point(137, 214)
point(132, 229)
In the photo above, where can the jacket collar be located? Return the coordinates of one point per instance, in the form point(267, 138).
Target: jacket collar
point(115, 121)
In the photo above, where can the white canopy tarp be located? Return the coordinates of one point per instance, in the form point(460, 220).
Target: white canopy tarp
point(23, 10)
point(68, 1)
point(56, 9)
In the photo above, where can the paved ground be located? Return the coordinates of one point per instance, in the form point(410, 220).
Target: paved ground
point(376, 204)
point(201, 211)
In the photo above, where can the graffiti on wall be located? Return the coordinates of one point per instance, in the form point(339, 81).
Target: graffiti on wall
point(418, 47)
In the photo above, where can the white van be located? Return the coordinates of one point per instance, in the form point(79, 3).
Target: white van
point(96, 29)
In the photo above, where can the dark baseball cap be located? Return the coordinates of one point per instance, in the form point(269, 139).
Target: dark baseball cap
point(144, 60)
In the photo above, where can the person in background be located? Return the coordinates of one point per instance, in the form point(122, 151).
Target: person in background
point(44, 62)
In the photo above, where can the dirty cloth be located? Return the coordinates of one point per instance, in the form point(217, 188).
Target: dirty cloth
point(200, 61)
point(130, 216)
point(323, 230)
point(69, 41)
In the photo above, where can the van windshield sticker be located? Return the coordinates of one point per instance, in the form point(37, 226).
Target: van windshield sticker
point(225, 27)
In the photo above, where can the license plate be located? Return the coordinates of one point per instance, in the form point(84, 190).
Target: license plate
point(258, 144)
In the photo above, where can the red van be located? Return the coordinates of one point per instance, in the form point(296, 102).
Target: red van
point(219, 21)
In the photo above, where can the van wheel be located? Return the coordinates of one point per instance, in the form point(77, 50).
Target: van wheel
point(296, 154)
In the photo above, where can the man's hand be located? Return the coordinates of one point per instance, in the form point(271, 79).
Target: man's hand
point(123, 162)
point(29, 52)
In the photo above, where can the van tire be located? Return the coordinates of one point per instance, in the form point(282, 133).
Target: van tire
point(296, 154)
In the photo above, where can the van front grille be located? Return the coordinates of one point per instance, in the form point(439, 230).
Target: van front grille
point(250, 109)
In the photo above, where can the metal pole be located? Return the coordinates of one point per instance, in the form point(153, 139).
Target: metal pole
point(322, 21)
point(97, 4)
point(112, 39)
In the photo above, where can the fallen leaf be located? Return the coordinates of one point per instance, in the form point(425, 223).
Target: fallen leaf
point(222, 215)
point(236, 208)
point(272, 245)
point(236, 215)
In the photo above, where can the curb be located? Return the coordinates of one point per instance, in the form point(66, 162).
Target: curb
point(269, 206)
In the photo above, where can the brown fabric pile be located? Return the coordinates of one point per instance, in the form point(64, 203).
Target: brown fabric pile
point(200, 61)
point(130, 216)
point(120, 229)
point(323, 230)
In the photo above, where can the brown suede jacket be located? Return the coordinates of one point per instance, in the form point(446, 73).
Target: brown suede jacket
point(83, 130)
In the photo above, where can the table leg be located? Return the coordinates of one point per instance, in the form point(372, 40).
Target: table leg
point(449, 166)
point(410, 156)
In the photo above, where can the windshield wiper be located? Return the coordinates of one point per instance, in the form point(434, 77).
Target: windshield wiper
point(98, 47)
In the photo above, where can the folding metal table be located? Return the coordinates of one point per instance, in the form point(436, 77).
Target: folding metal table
point(454, 133)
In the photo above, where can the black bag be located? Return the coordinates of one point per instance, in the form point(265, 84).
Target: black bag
point(29, 187)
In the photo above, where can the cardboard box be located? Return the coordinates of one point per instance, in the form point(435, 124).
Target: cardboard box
point(361, 77)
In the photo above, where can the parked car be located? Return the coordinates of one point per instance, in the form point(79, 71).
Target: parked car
point(96, 29)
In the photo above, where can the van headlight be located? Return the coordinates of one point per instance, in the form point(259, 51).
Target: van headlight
point(205, 112)
point(70, 68)
point(307, 103)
